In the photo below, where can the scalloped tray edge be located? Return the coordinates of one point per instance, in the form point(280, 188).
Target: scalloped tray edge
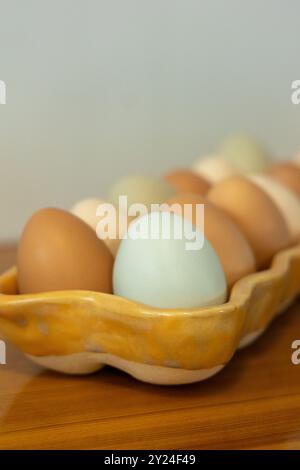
point(79, 332)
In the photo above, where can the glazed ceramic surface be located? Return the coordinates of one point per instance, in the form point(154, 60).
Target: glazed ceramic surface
point(79, 331)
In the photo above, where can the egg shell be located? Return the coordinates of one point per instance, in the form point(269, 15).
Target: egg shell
point(214, 168)
point(162, 272)
point(285, 199)
point(296, 159)
point(256, 215)
point(58, 251)
point(246, 153)
point(185, 180)
point(142, 190)
point(288, 174)
point(230, 244)
point(86, 210)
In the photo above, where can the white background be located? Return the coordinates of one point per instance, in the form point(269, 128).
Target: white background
point(97, 89)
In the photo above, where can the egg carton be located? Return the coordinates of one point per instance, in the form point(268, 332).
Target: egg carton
point(79, 332)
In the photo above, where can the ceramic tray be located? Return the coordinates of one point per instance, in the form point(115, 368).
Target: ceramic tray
point(78, 332)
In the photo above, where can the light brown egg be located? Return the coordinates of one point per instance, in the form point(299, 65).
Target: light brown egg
point(230, 244)
point(187, 181)
point(88, 211)
point(58, 251)
point(296, 159)
point(256, 215)
point(287, 174)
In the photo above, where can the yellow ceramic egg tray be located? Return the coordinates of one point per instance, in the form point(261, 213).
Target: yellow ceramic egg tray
point(79, 332)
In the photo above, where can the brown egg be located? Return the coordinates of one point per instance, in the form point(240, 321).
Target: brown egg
point(287, 174)
point(186, 181)
point(232, 247)
point(58, 251)
point(256, 215)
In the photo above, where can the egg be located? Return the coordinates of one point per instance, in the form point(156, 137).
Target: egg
point(288, 174)
point(230, 244)
point(141, 189)
point(88, 211)
point(185, 180)
point(58, 251)
point(159, 270)
point(296, 159)
point(245, 153)
point(256, 215)
point(214, 168)
point(285, 199)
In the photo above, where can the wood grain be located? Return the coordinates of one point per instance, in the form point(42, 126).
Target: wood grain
point(254, 403)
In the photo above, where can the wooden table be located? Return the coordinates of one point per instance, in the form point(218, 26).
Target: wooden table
point(253, 403)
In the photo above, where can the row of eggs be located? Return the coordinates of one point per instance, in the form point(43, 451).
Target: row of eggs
point(251, 211)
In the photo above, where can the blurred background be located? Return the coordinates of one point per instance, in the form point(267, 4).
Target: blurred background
point(97, 89)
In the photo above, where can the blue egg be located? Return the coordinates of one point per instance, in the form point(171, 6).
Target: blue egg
point(166, 262)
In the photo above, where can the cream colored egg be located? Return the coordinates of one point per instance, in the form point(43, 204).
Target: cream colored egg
point(214, 168)
point(87, 210)
point(286, 201)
